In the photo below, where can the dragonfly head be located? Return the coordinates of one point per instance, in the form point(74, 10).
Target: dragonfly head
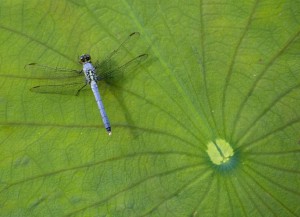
point(85, 58)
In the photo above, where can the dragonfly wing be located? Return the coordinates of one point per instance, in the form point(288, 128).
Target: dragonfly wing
point(113, 72)
point(64, 89)
point(118, 55)
point(47, 72)
point(124, 46)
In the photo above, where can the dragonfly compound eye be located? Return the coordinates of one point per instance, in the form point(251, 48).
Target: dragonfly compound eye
point(85, 58)
point(82, 59)
point(88, 57)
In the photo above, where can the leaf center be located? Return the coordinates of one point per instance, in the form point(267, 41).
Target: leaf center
point(219, 151)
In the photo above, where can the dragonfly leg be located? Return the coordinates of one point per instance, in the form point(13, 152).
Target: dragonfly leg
point(78, 91)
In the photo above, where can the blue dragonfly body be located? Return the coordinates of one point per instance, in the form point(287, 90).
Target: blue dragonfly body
point(91, 76)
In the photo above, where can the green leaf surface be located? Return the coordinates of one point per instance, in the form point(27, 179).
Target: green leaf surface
point(208, 125)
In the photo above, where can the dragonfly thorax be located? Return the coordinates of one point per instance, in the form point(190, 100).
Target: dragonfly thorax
point(89, 72)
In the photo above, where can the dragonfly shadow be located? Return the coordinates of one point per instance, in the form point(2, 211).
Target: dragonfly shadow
point(109, 70)
point(118, 93)
point(115, 86)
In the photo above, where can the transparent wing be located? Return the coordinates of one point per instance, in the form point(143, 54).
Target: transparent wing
point(124, 47)
point(64, 89)
point(106, 72)
point(118, 55)
point(42, 71)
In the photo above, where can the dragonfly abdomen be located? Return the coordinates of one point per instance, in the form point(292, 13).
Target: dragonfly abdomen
point(105, 119)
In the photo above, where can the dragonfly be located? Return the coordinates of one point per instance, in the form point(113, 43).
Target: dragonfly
point(93, 73)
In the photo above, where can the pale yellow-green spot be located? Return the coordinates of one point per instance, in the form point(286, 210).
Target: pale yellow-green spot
point(219, 151)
